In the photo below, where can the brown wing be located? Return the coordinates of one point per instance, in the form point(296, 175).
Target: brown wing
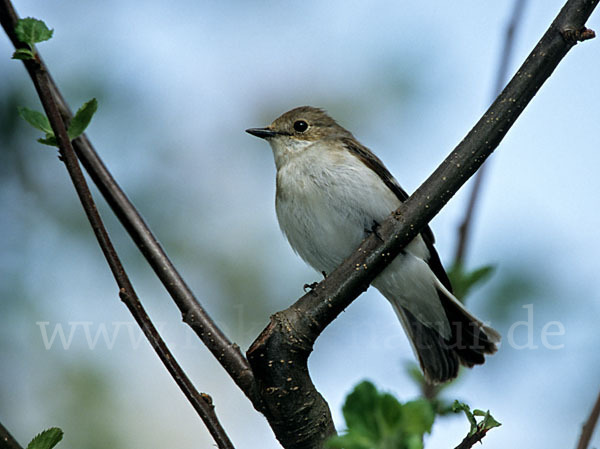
point(375, 164)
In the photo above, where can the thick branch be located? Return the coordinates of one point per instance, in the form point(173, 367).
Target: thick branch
point(6, 439)
point(228, 353)
point(284, 381)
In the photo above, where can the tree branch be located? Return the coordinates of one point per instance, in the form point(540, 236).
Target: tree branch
point(464, 229)
point(226, 352)
point(589, 426)
point(6, 439)
point(201, 403)
point(298, 414)
point(126, 291)
point(470, 440)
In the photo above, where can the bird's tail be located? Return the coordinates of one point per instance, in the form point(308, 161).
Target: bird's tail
point(467, 345)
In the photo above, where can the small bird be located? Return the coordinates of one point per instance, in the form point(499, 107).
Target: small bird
point(332, 192)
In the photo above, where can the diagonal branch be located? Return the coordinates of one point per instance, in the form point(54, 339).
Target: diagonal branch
point(126, 291)
point(298, 414)
point(226, 352)
point(589, 426)
point(7, 441)
point(464, 229)
point(471, 440)
point(201, 403)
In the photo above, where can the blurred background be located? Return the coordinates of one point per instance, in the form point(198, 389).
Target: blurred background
point(177, 84)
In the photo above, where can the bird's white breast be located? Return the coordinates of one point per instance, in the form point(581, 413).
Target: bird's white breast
point(326, 200)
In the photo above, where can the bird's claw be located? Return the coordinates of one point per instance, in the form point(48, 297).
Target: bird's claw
point(310, 287)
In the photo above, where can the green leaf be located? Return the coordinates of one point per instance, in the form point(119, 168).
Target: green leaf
point(460, 406)
point(488, 422)
point(39, 121)
point(348, 441)
point(47, 439)
point(50, 140)
point(35, 119)
point(82, 119)
point(415, 373)
point(359, 407)
point(463, 281)
point(78, 124)
point(32, 31)
point(391, 412)
point(23, 53)
point(378, 420)
point(442, 407)
point(480, 274)
point(418, 416)
point(414, 442)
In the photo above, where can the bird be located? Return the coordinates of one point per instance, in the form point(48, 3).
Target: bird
point(331, 193)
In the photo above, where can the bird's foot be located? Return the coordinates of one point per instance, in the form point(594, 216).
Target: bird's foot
point(310, 287)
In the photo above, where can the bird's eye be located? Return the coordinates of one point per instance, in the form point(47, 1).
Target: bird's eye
point(300, 126)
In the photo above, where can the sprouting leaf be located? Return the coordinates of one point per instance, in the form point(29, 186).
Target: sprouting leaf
point(23, 53)
point(463, 281)
point(414, 442)
point(82, 119)
point(46, 439)
point(50, 140)
point(39, 121)
point(363, 398)
point(480, 274)
point(488, 422)
point(35, 119)
point(415, 373)
point(78, 124)
point(418, 416)
point(460, 406)
point(31, 31)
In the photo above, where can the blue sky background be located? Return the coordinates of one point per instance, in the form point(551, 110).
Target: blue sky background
point(177, 84)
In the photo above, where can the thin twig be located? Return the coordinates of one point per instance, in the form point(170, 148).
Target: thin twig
point(471, 440)
point(464, 230)
point(126, 291)
point(589, 426)
point(6, 439)
point(228, 353)
point(296, 411)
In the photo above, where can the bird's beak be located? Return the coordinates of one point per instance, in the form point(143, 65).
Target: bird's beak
point(263, 133)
